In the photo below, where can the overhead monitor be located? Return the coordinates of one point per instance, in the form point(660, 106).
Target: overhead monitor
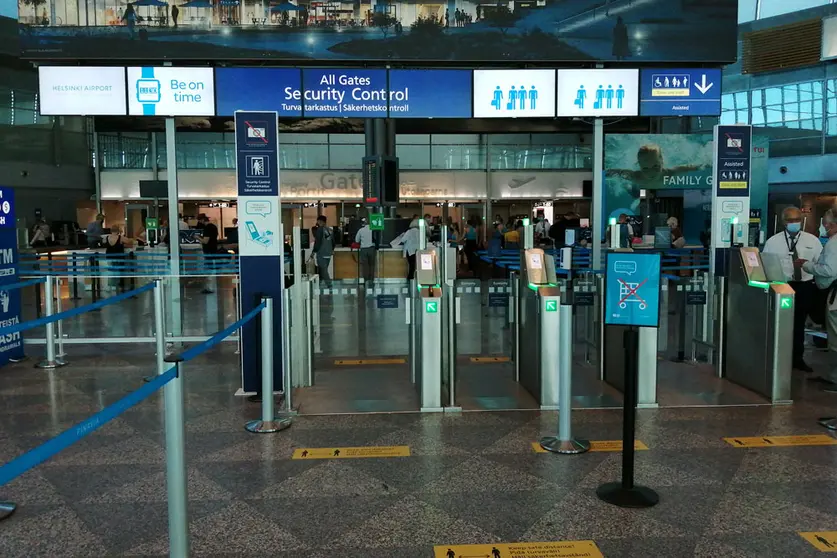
point(169, 91)
point(514, 93)
point(81, 91)
point(599, 92)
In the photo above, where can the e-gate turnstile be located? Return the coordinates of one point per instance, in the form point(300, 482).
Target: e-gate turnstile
point(537, 317)
point(425, 316)
point(758, 333)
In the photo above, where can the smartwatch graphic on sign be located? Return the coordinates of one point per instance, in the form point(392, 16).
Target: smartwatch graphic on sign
point(148, 91)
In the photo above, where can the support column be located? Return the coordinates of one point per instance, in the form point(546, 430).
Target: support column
point(599, 219)
point(174, 290)
point(97, 168)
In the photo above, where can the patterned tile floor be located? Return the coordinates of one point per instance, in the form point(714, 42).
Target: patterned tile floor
point(472, 478)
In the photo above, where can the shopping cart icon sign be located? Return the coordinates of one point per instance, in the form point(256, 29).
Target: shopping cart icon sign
point(628, 294)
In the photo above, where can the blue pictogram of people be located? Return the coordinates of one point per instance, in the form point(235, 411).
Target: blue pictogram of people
point(516, 98)
point(604, 97)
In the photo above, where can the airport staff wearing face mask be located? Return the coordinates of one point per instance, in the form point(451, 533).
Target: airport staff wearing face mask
point(824, 270)
point(792, 244)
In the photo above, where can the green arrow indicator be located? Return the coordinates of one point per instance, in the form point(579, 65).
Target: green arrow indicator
point(786, 303)
point(431, 307)
point(551, 305)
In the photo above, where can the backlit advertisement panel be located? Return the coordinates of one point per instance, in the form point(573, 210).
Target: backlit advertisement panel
point(639, 31)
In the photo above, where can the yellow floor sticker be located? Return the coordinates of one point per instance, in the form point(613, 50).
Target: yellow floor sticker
point(564, 549)
point(352, 453)
point(483, 360)
point(599, 445)
point(824, 541)
point(781, 441)
point(361, 362)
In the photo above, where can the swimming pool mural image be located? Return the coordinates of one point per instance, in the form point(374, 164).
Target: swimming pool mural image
point(635, 162)
point(461, 30)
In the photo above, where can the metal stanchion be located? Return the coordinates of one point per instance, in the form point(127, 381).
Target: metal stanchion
point(7, 509)
point(51, 361)
point(94, 278)
point(75, 274)
point(626, 494)
point(60, 323)
point(269, 422)
point(178, 509)
point(564, 442)
point(287, 380)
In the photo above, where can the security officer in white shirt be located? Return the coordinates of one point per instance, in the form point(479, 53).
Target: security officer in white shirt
point(824, 270)
point(368, 252)
point(795, 244)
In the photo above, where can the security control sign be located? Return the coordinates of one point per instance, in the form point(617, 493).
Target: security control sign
point(171, 91)
point(345, 93)
point(683, 92)
point(430, 94)
point(262, 89)
point(598, 93)
point(514, 93)
point(81, 90)
point(632, 289)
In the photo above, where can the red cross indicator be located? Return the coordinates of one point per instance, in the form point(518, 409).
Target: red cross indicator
point(627, 292)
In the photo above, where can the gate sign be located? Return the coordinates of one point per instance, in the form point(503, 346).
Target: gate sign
point(11, 346)
point(632, 289)
point(680, 92)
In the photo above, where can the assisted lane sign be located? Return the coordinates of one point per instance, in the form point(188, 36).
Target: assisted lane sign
point(563, 549)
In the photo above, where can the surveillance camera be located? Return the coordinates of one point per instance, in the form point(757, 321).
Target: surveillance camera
point(783, 170)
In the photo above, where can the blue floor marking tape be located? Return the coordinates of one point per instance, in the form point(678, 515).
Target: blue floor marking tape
point(32, 458)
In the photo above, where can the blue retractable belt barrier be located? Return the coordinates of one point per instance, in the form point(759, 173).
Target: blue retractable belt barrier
point(8, 330)
point(22, 284)
point(220, 336)
point(32, 458)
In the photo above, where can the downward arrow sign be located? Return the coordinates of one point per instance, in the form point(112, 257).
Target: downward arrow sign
point(702, 86)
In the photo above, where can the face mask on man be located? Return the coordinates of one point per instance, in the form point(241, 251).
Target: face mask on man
point(793, 228)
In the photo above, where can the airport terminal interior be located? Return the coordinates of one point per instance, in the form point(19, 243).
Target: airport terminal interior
point(524, 279)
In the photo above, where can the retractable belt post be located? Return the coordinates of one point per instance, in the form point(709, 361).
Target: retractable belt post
point(565, 443)
point(7, 509)
point(51, 361)
point(626, 494)
point(269, 422)
point(178, 500)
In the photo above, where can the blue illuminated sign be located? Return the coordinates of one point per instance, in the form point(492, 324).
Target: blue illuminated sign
point(345, 93)
point(11, 345)
point(259, 89)
point(632, 289)
point(430, 94)
point(680, 92)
